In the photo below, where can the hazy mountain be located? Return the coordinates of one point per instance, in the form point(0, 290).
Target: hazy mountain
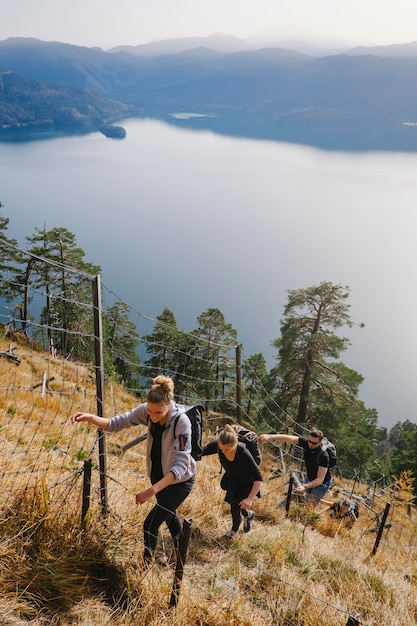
point(277, 82)
point(309, 47)
point(228, 44)
point(283, 84)
point(218, 42)
point(398, 51)
point(66, 64)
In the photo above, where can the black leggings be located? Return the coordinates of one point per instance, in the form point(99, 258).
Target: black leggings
point(237, 513)
point(169, 499)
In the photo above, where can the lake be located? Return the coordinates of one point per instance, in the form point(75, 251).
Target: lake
point(183, 214)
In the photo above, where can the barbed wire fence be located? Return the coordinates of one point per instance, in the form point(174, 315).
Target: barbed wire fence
point(41, 451)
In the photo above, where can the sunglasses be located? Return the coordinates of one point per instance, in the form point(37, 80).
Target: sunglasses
point(314, 443)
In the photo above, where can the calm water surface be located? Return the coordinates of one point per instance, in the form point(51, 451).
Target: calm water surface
point(191, 219)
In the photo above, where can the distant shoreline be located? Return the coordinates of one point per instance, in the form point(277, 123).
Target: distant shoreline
point(335, 136)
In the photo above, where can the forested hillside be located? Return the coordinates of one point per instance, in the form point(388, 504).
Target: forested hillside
point(284, 85)
point(28, 103)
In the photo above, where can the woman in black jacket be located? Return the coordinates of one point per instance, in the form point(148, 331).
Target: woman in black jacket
point(242, 479)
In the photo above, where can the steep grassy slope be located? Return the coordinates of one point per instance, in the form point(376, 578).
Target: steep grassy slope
point(303, 569)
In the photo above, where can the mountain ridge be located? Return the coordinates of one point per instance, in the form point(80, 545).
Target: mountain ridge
point(274, 82)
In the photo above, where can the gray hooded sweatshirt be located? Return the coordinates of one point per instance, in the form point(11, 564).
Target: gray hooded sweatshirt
point(175, 448)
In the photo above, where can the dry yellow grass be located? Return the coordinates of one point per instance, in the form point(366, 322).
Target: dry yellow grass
point(302, 569)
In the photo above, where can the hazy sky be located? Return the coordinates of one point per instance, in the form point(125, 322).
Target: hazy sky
point(108, 23)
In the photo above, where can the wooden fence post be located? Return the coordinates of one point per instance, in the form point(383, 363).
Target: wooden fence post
point(281, 459)
point(181, 558)
point(99, 362)
point(239, 384)
point(43, 384)
point(86, 491)
point(289, 494)
point(381, 528)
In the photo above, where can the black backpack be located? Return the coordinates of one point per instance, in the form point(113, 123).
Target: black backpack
point(250, 439)
point(330, 448)
point(195, 415)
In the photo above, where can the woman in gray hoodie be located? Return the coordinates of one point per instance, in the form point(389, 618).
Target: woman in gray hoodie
point(170, 466)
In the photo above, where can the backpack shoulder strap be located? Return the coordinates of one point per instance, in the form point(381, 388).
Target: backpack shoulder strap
point(320, 454)
point(177, 417)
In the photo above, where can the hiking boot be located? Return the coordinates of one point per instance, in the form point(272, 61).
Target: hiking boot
point(248, 521)
point(232, 533)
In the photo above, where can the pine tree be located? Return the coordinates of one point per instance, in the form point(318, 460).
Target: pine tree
point(308, 347)
point(10, 259)
point(312, 384)
point(256, 383)
point(120, 342)
point(163, 347)
point(56, 266)
point(215, 367)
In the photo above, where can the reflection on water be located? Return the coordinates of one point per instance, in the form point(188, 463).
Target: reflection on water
point(349, 136)
point(189, 116)
point(400, 137)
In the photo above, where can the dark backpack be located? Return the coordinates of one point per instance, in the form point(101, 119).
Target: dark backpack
point(330, 448)
point(250, 439)
point(195, 415)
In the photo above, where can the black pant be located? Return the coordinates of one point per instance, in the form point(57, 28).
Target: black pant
point(237, 513)
point(235, 493)
point(168, 500)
